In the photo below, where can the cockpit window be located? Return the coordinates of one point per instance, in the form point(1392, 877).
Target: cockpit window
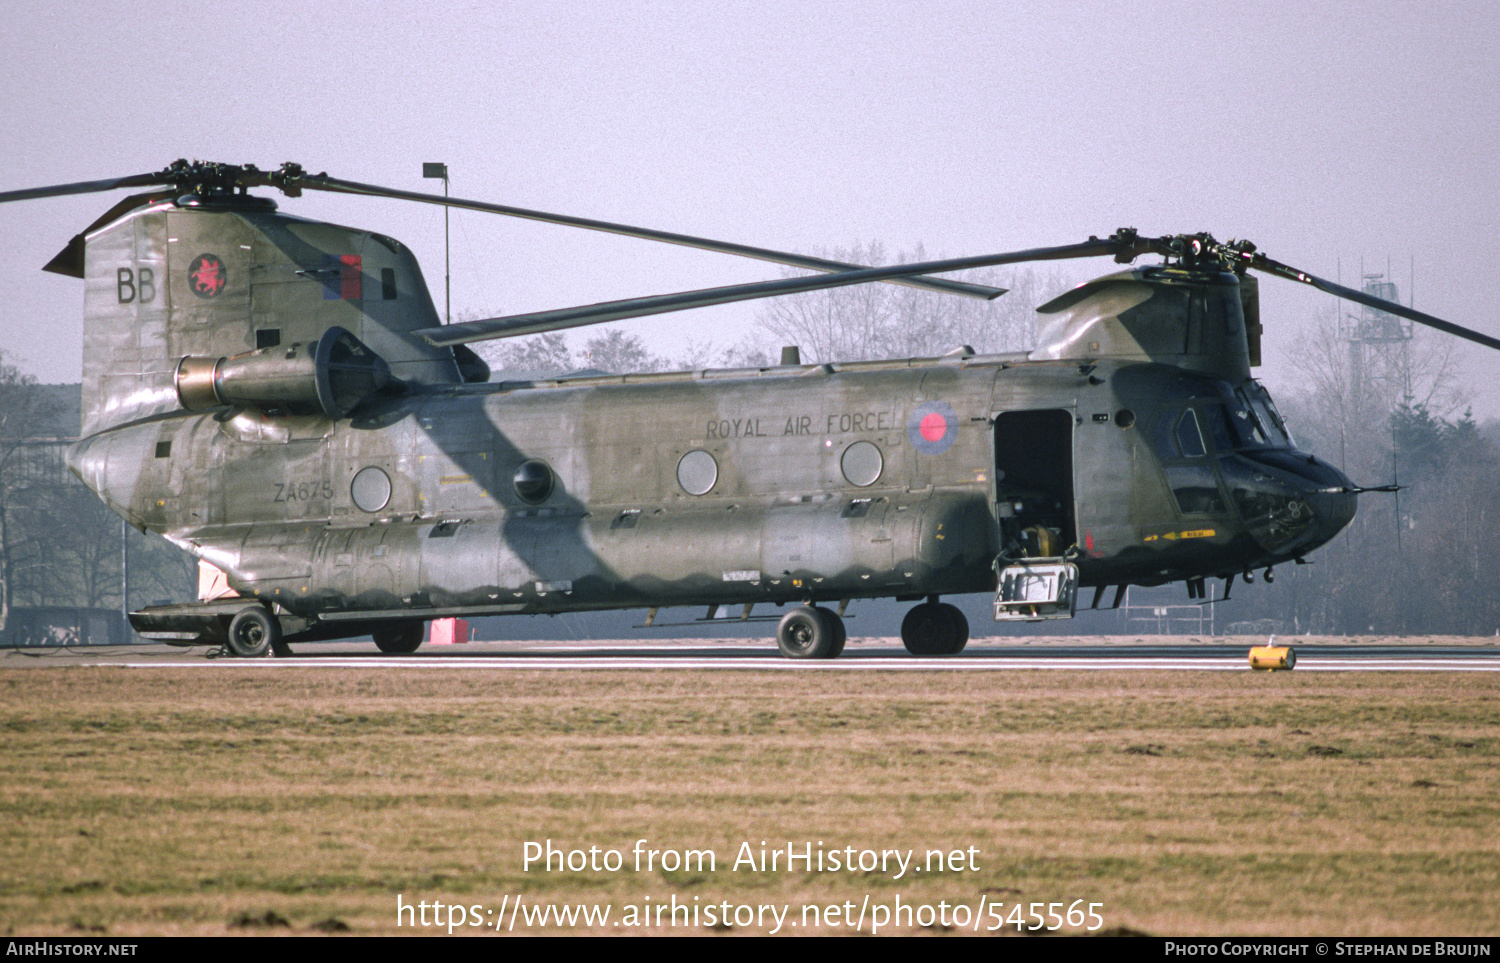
point(1189, 436)
point(1218, 424)
point(1270, 417)
point(1195, 488)
point(1247, 426)
point(1256, 423)
point(1242, 419)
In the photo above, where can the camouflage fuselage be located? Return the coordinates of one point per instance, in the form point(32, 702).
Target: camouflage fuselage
point(820, 483)
point(260, 390)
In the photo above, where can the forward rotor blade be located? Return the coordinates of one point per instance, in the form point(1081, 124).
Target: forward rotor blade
point(1262, 263)
point(323, 182)
point(538, 322)
point(84, 187)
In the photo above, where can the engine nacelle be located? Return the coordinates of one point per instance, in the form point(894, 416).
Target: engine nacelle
point(333, 375)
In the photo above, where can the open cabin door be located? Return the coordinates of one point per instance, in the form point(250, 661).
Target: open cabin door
point(1034, 482)
point(1035, 513)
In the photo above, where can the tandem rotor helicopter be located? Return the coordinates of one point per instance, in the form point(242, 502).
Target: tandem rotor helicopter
point(278, 397)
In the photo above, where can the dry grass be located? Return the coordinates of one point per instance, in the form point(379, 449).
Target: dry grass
point(177, 800)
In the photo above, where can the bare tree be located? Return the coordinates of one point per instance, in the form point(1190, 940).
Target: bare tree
point(159, 570)
point(1384, 416)
point(538, 354)
point(81, 563)
point(746, 353)
point(841, 324)
point(620, 353)
point(30, 477)
point(869, 321)
point(1349, 393)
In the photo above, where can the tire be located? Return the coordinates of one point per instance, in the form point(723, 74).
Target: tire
point(835, 624)
point(401, 639)
point(934, 628)
point(254, 633)
point(960, 629)
point(804, 634)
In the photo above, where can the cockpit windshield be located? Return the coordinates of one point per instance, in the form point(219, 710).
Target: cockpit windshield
point(1250, 420)
point(1244, 420)
point(1265, 408)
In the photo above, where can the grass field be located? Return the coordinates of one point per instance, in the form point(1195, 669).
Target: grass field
point(223, 800)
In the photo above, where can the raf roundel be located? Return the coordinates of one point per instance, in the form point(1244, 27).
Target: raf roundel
point(932, 427)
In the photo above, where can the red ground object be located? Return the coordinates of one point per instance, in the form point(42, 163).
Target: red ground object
point(449, 631)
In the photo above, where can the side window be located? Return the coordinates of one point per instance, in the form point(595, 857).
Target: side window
point(1189, 436)
point(1196, 489)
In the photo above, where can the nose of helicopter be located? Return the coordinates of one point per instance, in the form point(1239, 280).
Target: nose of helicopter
point(1290, 501)
point(1333, 504)
point(1330, 496)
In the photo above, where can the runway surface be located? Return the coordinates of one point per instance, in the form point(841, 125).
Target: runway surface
point(860, 656)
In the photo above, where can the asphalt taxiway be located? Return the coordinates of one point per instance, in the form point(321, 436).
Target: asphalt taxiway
point(991, 655)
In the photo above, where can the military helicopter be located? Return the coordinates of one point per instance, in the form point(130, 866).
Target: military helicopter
point(278, 397)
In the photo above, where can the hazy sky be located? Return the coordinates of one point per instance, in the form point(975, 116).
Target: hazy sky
point(1333, 135)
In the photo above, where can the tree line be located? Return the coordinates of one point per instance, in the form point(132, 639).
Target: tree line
point(1413, 561)
point(59, 545)
point(856, 323)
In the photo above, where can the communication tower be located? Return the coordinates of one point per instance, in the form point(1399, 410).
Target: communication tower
point(1379, 374)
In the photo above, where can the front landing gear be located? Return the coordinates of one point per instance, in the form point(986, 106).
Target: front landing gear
point(935, 628)
point(809, 632)
point(400, 639)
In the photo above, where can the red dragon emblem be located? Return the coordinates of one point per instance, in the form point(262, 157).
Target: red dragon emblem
point(207, 276)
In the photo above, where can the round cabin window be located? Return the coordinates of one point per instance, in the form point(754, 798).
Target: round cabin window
point(534, 481)
point(371, 489)
point(697, 472)
point(862, 464)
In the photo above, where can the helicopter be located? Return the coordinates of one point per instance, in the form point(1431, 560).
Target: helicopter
point(278, 397)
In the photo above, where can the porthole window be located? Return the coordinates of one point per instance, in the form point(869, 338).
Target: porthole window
point(371, 489)
point(697, 472)
point(862, 464)
point(534, 481)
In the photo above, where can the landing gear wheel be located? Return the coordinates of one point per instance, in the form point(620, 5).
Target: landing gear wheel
point(808, 633)
point(836, 626)
point(254, 633)
point(960, 628)
point(399, 640)
point(935, 628)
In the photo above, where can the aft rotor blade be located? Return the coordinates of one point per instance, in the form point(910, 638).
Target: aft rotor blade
point(84, 187)
point(323, 182)
point(541, 321)
point(1262, 263)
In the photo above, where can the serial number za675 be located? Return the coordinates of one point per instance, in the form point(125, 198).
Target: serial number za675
point(303, 491)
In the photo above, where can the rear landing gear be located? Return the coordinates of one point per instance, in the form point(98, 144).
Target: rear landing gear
point(935, 628)
point(255, 633)
point(810, 632)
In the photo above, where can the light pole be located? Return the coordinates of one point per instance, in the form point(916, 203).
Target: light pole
point(125, 578)
point(435, 171)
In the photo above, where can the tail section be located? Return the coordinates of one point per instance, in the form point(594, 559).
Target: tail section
point(215, 281)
